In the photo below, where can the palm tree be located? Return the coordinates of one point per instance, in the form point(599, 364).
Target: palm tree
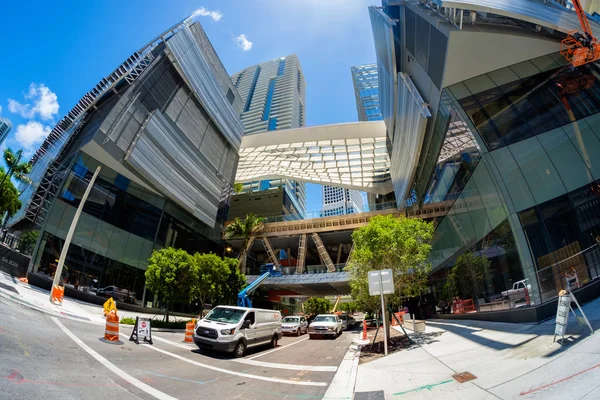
point(17, 168)
point(247, 229)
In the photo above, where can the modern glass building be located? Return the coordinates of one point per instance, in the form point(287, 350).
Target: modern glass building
point(366, 91)
point(339, 201)
point(274, 96)
point(490, 120)
point(164, 128)
point(5, 127)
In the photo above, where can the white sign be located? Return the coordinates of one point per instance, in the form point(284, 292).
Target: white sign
point(386, 285)
point(562, 315)
point(142, 331)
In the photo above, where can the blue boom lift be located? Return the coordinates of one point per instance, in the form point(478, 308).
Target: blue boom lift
point(244, 295)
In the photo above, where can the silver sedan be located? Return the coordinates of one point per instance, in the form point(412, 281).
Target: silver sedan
point(294, 326)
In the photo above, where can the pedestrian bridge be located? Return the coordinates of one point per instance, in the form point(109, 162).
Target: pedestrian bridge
point(318, 283)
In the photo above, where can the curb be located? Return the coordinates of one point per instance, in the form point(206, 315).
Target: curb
point(342, 384)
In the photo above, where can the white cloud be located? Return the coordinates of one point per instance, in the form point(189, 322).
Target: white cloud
point(203, 12)
point(243, 42)
point(31, 135)
point(43, 102)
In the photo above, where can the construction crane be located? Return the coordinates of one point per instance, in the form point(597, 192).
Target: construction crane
point(244, 295)
point(580, 48)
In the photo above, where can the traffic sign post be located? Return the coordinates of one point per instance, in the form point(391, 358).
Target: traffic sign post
point(562, 315)
point(382, 282)
point(141, 331)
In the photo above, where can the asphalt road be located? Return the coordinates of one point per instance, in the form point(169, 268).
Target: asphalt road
point(45, 357)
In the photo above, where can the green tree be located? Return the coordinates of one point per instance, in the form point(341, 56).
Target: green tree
point(173, 276)
point(17, 168)
point(235, 282)
point(212, 280)
point(317, 305)
point(27, 241)
point(245, 228)
point(238, 187)
point(9, 197)
point(468, 277)
point(387, 242)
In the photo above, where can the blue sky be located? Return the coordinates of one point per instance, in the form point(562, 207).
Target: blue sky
point(54, 52)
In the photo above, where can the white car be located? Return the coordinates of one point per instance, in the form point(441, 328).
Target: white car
point(326, 325)
point(294, 326)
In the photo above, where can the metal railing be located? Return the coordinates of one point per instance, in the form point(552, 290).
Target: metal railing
point(309, 269)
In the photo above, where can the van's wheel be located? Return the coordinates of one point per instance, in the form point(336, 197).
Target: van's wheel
point(240, 349)
point(274, 341)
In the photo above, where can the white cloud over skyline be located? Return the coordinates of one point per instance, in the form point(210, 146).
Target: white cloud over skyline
point(216, 15)
point(31, 135)
point(243, 42)
point(42, 102)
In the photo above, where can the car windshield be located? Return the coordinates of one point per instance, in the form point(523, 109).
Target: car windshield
point(343, 317)
point(291, 320)
point(323, 318)
point(222, 314)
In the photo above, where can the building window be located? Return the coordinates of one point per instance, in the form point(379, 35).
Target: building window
point(269, 101)
point(272, 124)
point(230, 96)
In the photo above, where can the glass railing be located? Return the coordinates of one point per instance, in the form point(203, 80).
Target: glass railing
point(321, 214)
point(309, 269)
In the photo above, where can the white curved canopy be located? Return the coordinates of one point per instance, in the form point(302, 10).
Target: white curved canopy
point(350, 155)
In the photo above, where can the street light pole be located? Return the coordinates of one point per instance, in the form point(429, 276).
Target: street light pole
point(65, 249)
point(383, 318)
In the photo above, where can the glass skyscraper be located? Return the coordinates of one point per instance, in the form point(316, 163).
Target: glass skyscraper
point(366, 91)
point(273, 97)
point(5, 127)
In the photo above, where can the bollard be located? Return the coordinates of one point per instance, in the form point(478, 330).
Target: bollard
point(58, 294)
point(364, 335)
point(189, 331)
point(111, 330)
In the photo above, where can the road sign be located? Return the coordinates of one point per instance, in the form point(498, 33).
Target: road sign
point(141, 331)
point(382, 282)
point(386, 284)
point(562, 315)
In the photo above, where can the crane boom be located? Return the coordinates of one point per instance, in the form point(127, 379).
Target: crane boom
point(244, 294)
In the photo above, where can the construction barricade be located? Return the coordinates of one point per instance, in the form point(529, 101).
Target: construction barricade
point(189, 331)
point(58, 295)
point(399, 317)
point(457, 306)
point(468, 305)
point(111, 330)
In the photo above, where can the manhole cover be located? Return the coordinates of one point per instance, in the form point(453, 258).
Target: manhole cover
point(464, 377)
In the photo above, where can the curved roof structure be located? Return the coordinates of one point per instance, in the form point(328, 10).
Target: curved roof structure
point(350, 155)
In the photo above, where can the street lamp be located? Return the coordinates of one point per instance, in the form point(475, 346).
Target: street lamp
point(65, 249)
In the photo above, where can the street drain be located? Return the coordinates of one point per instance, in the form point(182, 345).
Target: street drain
point(464, 377)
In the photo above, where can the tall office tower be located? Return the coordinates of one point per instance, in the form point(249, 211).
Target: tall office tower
point(273, 96)
point(5, 127)
point(366, 91)
point(164, 129)
point(339, 201)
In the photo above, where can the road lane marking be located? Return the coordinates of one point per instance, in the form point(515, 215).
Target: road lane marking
point(130, 379)
point(249, 361)
point(288, 366)
point(279, 348)
point(226, 371)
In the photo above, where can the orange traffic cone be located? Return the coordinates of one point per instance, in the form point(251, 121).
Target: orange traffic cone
point(189, 331)
point(111, 330)
point(364, 335)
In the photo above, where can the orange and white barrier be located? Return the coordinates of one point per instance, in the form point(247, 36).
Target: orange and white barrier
point(364, 334)
point(58, 295)
point(189, 331)
point(111, 330)
point(468, 305)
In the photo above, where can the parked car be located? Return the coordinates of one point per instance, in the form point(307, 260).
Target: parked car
point(326, 325)
point(344, 319)
point(294, 325)
point(235, 329)
point(518, 290)
point(117, 294)
point(351, 321)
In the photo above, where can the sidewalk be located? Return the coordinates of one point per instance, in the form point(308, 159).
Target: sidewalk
point(33, 297)
point(509, 361)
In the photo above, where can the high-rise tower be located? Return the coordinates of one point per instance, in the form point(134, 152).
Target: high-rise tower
point(5, 127)
point(273, 97)
point(366, 90)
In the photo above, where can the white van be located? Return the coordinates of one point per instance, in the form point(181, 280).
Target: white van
point(234, 329)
